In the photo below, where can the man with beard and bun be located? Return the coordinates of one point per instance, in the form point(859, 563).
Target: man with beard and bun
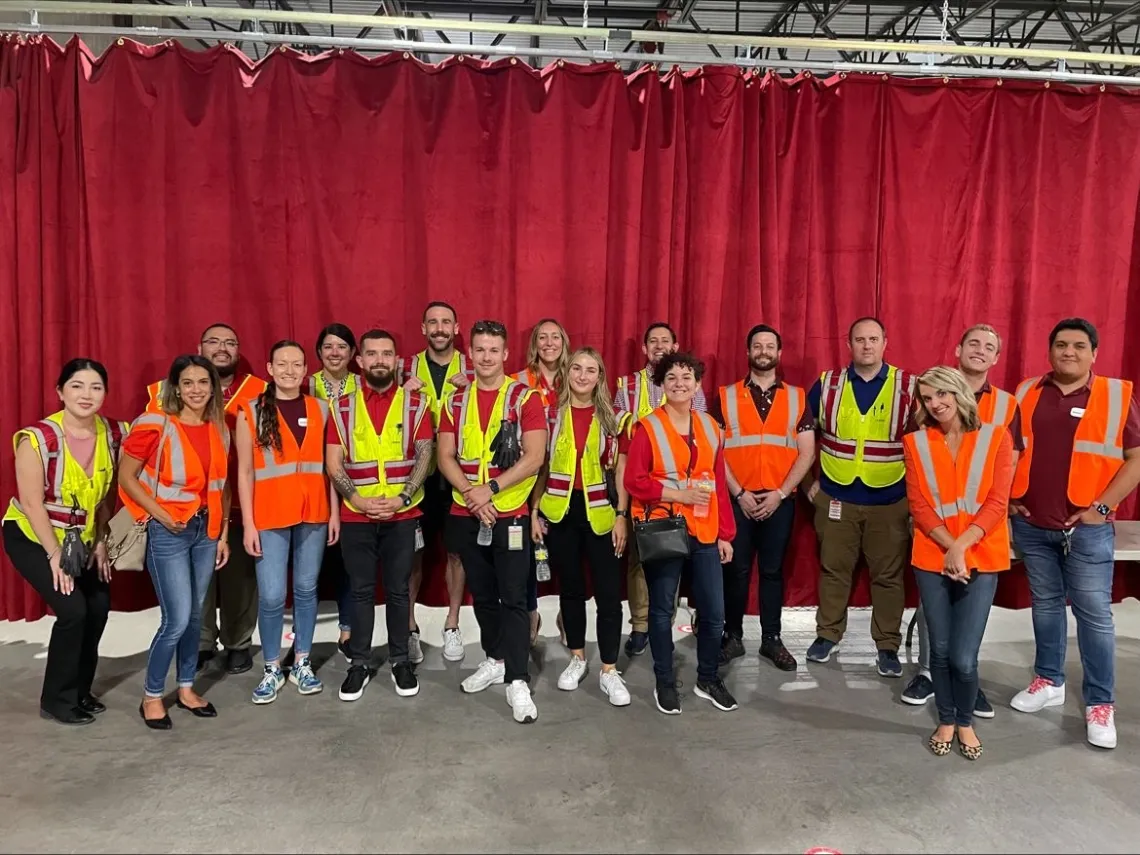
point(436, 373)
point(638, 395)
point(378, 452)
point(237, 596)
point(769, 446)
point(977, 353)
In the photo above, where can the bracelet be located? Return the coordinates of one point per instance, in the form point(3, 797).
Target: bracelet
point(52, 555)
point(741, 493)
point(783, 495)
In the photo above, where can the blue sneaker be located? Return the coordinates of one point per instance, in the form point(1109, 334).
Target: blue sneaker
point(270, 685)
point(889, 665)
point(636, 643)
point(820, 650)
point(301, 675)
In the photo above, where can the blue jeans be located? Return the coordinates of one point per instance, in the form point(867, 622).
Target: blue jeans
point(707, 581)
point(308, 542)
point(181, 567)
point(956, 616)
point(1085, 577)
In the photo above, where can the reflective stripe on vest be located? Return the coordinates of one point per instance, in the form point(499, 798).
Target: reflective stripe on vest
point(479, 469)
point(598, 456)
point(881, 457)
point(270, 468)
point(1111, 447)
point(738, 439)
point(971, 502)
point(365, 472)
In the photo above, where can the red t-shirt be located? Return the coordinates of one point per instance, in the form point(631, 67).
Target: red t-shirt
point(582, 417)
point(294, 412)
point(378, 404)
point(644, 488)
point(533, 418)
point(142, 444)
point(1054, 427)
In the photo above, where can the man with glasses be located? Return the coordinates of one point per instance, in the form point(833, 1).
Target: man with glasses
point(238, 594)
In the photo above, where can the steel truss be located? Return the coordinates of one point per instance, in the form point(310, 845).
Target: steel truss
point(1079, 41)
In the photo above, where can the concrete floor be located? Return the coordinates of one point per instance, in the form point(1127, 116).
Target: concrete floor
point(823, 757)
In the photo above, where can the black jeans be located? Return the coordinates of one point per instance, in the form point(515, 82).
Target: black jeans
point(767, 541)
point(956, 615)
point(80, 618)
point(392, 545)
point(568, 542)
point(497, 577)
point(707, 583)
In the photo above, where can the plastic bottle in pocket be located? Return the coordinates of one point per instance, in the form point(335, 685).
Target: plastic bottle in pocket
point(541, 563)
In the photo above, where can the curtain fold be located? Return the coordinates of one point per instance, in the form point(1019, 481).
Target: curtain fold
point(154, 190)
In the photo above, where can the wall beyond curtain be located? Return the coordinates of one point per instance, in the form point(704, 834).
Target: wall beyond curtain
point(152, 191)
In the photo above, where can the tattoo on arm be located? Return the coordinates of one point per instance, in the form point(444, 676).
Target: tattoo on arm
point(424, 454)
point(343, 484)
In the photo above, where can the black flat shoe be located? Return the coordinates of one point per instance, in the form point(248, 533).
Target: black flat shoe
point(92, 705)
point(163, 723)
point(73, 717)
point(207, 711)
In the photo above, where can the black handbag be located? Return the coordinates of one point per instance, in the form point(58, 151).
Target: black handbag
point(662, 539)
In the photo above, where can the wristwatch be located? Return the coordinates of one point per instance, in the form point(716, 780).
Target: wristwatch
point(741, 493)
point(406, 499)
point(1102, 509)
point(494, 485)
point(622, 514)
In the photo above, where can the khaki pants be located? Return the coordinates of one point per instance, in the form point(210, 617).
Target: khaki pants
point(882, 533)
point(234, 590)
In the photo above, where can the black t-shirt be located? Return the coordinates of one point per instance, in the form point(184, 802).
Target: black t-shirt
point(294, 413)
point(438, 376)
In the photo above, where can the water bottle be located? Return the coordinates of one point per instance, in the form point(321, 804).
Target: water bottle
point(541, 563)
point(705, 483)
point(485, 532)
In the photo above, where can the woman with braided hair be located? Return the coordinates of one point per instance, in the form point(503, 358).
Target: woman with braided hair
point(286, 504)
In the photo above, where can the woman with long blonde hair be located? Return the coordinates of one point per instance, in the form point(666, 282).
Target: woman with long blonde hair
point(958, 476)
point(584, 508)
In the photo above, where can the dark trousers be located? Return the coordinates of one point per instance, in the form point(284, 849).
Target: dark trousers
point(568, 542)
point(956, 616)
point(391, 545)
point(767, 542)
point(497, 576)
point(234, 592)
point(707, 581)
point(80, 617)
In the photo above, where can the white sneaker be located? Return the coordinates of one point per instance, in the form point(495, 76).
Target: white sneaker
point(522, 704)
point(1100, 726)
point(613, 686)
point(415, 649)
point(1040, 694)
point(453, 650)
point(574, 674)
point(489, 673)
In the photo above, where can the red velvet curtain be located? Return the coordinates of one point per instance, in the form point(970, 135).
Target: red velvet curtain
point(153, 191)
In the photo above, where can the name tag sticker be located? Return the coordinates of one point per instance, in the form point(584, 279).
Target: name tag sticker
point(1077, 412)
point(515, 538)
point(302, 422)
point(833, 509)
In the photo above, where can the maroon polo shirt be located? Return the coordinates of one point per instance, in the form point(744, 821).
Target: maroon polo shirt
point(1054, 428)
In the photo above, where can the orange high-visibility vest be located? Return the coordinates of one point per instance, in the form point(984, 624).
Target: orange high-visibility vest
point(248, 390)
point(957, 487)
point(996, 407)
point(759, 452)
point(175, 477)
point(1098, 446)
point(289, 485)
point(671, 467)
point(536, 381)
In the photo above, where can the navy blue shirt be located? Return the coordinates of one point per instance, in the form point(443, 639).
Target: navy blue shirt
point(858, 493)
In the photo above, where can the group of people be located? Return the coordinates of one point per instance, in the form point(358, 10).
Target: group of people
point(353, 467)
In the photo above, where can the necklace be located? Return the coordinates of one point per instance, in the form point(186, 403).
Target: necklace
point(329, 387)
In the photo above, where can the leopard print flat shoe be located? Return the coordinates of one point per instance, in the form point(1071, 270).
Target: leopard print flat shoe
point(938, 747)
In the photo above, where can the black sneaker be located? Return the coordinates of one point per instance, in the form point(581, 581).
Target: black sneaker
point(238, 661)
point(353, 686)
point(982, 708)
point(773, 649)
point(342, 646)
point(731, 648)
point(404, 676)
point(888, 664)
point(918, 691)
point(717, 692)
point(667, 698)
point(636, 643)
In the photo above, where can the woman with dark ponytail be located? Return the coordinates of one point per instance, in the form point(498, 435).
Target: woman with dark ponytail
point(285, 502)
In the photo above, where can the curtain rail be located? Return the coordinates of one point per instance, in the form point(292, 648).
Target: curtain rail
point(455, 49)
point(38, 7)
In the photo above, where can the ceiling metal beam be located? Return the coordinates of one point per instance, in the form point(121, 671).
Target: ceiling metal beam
point(1130, 12)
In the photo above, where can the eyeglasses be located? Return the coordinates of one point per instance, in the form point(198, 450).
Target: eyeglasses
point(489, 328)
point(227, 343)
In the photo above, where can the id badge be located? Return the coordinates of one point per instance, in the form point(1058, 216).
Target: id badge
point(515, 538)
point(834, 509)
point(419, 538)
point(302, 422)
point(1077, 412)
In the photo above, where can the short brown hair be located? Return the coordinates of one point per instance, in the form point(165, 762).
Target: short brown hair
point(981, 328)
